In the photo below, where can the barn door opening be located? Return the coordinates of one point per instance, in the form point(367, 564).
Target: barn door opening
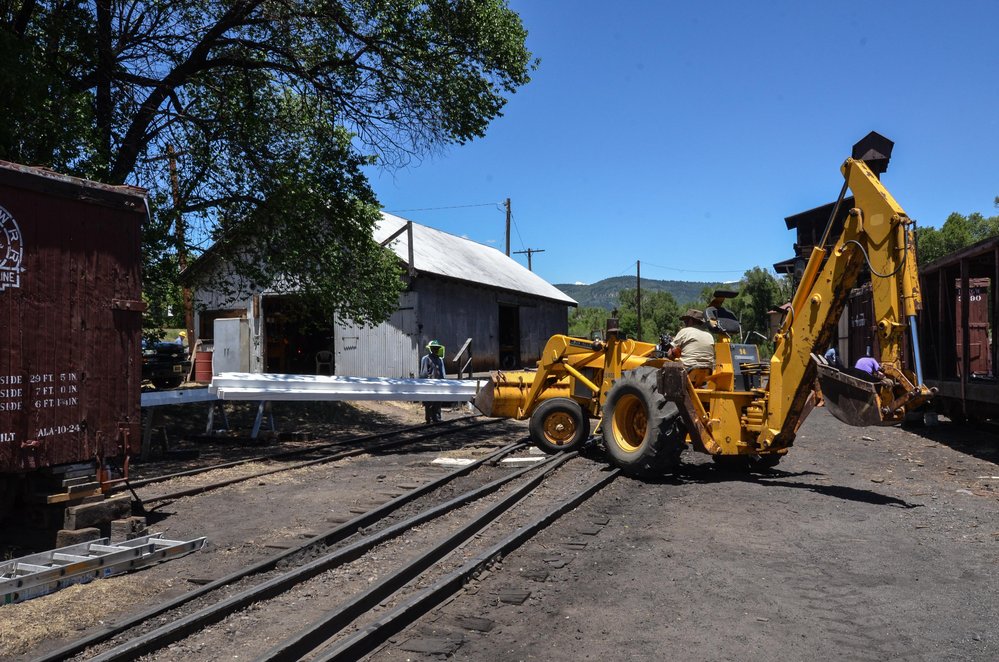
point(296, 342)
point(509, 337)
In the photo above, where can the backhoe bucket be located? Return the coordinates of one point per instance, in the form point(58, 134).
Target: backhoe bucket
point(849, 397)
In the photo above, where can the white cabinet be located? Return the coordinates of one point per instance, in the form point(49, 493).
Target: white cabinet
point(232, 345)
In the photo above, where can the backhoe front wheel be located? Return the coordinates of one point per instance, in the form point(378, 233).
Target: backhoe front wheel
point(559, 425)
point(643, 432)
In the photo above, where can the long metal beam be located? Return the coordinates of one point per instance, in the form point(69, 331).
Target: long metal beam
point(264, 386)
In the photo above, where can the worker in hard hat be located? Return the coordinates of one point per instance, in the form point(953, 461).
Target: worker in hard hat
point(181, 338)
point(432, 367)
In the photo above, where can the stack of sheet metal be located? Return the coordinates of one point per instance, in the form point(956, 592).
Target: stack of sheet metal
point(263, 386)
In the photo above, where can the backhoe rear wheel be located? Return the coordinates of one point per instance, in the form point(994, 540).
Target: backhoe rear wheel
point(643, 432)
point(559, 425)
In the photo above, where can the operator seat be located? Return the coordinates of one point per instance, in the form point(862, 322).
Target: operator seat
point(721, 319)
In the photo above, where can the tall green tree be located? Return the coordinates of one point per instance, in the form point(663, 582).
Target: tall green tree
point(760, 291)
point(957, 232)
point(660, 314)
point(274, 106)
point(585, 321)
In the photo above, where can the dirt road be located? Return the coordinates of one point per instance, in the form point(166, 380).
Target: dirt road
point(866, 543)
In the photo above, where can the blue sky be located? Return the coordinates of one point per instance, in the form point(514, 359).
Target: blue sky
point(682, 134)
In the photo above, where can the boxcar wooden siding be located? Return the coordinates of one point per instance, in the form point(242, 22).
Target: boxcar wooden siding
point(70, 363)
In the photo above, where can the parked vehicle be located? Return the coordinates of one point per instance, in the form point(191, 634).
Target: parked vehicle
point(165, 364)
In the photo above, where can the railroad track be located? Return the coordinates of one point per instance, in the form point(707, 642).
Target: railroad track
point(120, 484)
point(331, 452)
point(457, 535)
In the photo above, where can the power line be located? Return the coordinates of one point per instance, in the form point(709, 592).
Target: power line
point(699, 271)
point(627, 269)
point(482, 204)
point(513, 219)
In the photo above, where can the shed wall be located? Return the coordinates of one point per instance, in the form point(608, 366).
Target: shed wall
point(436, 308)
point(449, 312)
point(453, 312)
point(387, 350)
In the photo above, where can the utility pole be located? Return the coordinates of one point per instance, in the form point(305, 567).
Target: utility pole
point(638, 299)
point(530, 252)
point(508, 230)
point(181, 240)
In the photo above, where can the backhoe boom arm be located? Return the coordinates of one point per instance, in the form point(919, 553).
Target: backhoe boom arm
point(877, 234)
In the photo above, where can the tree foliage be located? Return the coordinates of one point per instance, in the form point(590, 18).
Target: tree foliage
point(660, 314)
point(957, 232)
point(586, 321)
point(760, 291)
point(605, 293)
point(273, 107)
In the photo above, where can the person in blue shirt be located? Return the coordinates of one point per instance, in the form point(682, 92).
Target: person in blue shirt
point(870, 365)
point(832, 358)
point(432, 367)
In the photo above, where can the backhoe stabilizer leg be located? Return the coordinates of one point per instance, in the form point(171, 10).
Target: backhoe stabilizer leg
point(673, 384)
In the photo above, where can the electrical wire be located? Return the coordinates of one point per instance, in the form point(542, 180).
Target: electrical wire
point(628, 268)
point(482, 204)
point(513, 219)
point(697, 271)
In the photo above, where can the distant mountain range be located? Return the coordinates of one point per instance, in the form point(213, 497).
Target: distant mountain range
point(603, 294)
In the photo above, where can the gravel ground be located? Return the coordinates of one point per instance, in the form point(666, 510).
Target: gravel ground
point(866, 543)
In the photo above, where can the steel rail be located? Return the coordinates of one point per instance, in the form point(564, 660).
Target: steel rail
point(342, 454)
point(307, 640)
point(187, 625)
point(119, 484)
point(331, 537)
point(374, 634)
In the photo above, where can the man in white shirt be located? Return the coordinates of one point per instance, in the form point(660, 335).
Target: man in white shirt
point(693, 345)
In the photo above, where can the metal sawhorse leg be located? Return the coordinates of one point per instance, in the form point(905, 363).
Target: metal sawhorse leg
point(263, 407)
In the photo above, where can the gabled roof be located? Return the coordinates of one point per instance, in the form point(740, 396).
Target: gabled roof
point(450, 256)
point(816, 216)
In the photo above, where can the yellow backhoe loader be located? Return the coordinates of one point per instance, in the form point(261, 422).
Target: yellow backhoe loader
point(745, 412)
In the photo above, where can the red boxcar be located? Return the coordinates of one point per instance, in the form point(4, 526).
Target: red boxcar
point(70, 321)
point(963, 372)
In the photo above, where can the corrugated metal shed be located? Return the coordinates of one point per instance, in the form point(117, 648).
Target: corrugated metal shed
point(457, 290)
point(448, 255)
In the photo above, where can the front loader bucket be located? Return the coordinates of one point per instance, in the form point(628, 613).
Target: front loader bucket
point(505, 394)
point(850, 397)
point(485, 398)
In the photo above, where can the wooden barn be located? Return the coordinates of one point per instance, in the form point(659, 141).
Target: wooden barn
point(459, 292)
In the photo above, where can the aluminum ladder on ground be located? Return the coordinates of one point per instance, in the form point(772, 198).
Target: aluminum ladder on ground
point(37, 574)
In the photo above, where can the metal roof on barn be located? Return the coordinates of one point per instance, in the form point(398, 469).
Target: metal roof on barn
point(450, 256)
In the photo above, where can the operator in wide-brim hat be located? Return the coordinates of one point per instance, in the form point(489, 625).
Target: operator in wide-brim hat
point(693, 314)
point(693, 345)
